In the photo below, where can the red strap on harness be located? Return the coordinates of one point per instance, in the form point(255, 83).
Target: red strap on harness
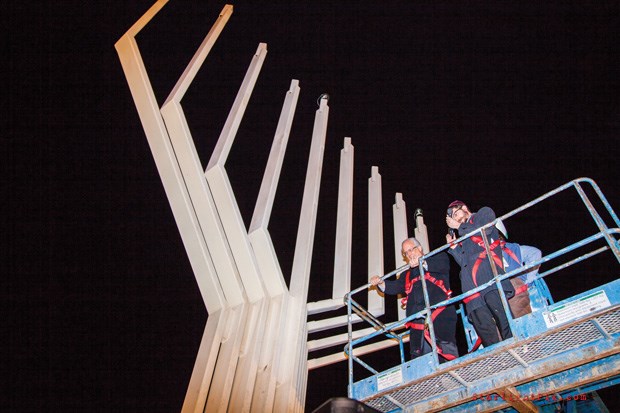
point(498, 261)
point(483, 255)
point(521, 289)
point(471, 297)
point(427, 334)
point(409, 285)
point(476, 345)
point(421, 326)
point(447, 356)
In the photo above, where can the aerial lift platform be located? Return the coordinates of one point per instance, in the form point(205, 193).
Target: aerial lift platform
point(559, 355)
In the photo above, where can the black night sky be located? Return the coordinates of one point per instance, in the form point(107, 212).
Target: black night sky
point(493, 103)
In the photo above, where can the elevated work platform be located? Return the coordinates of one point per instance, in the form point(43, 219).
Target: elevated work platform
point(561, 353)
point(524, 369)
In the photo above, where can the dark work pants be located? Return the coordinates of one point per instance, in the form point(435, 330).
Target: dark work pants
point(490, 319)
point(445, 326)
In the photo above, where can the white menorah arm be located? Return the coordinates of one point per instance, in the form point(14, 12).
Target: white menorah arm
point(275, 330)
point(401, 233)
point(376, 304)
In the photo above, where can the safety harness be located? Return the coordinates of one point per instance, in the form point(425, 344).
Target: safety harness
point(483, 255)
point(498, 261)
point(423, 326)
point(502, 244)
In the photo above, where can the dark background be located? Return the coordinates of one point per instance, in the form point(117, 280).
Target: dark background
point(493, 103)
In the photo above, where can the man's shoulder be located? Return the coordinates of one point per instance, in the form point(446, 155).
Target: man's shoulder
point(483, 216)
point(485, 210)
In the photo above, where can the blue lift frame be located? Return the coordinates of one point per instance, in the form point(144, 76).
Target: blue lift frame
point(559, 352)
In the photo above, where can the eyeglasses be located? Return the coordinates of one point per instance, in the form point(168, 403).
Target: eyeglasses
point(452, 210)
point(404, 253)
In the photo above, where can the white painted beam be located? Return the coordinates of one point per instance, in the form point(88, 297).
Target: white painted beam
point(219, 393)
point(239, 343)
point(421, 233)
point(291, 384)
point(323, 343)
point(229, 131)
point(237, 236)
point(199, 57)
point(273, 336)
point(323, 306)
point(302, 259)
point(376, 305)
point(205, 373)
point(401, 233)
point(263, 397)
point(329, 323)
point(344, 223)
point(208, 352)
point(287, 398)
point(357, 351)
point(203, 203)
point(166, 162)
point(223, 193)
point(267, 193)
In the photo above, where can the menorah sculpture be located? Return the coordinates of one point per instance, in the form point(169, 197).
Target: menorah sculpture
point(254, 350)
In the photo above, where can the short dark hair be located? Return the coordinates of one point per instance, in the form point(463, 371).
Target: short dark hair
point(454, 205)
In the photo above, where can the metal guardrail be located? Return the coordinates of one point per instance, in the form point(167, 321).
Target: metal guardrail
point(390, 330)
point(582, 352)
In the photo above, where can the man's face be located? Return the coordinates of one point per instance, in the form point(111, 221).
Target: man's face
point(411, 252)
point(460, 213)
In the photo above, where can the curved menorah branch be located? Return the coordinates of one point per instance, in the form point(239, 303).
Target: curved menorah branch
point(253, 354)
point(217, 300)
point(273, 345)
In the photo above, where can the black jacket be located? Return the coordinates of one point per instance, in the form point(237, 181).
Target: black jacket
point(439, 267)
point(467, 253)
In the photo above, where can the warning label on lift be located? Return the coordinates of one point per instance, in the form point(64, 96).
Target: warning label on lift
point(389, 378)
point(574, 309)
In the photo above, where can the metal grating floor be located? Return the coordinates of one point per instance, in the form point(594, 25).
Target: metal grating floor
point(426, 389)
point(489, 366)
point(535, 349)
point(569, 338)
point(610, 322)
point(382, 404)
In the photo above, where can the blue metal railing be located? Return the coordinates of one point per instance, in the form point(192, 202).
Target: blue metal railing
point(389, 329)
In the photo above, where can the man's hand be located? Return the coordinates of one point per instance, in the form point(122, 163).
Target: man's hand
point(376, 280)
point(450, 239)
point(452, 223)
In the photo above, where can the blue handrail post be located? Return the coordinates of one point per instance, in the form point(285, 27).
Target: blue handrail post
point(428, 318)
point(598, 220)
point(349, 348)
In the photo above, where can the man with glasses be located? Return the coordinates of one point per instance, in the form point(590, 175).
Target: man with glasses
point(484, 308)
point(437, 278)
